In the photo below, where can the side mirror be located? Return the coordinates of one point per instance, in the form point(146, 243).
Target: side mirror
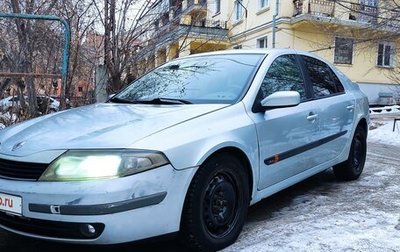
point(110, 96)
point(281, 99)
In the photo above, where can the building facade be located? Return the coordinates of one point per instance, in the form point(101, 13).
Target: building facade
point(359, 36)
point(179, 28)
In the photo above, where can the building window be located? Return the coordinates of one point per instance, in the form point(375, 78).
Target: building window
point(385, 54)
point(262, 4)
point(343, 51)
point(80, 89)
point(238, 15)
point(217, 6)
point(238, 47)
point(262, 42)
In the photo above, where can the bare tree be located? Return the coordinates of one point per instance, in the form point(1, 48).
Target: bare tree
point(34, 47)
point(135, 30)
point(123, 35)
point(81, 17)
point(19, 44)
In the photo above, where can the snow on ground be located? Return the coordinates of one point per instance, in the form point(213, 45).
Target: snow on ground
point(385, 109)
point(381, 130)
point(323, 214)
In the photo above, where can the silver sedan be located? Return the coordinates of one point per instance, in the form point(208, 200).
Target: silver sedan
point(186, 148)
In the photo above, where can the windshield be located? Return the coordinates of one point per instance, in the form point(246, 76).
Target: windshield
point(203, 79)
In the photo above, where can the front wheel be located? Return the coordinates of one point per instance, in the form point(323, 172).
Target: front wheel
point(352, 168)
point(216, 204)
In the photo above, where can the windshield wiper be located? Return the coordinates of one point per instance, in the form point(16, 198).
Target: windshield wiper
point(119, 100)
point(162, 100)
point(159, 100)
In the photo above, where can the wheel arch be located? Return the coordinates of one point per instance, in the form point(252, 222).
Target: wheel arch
point(243, 158)
point(236, 152)
point(187, 232)
point(364, 125)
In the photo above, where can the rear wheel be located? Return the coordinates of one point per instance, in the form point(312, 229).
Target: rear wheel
point(216, 204)
point(352, 168)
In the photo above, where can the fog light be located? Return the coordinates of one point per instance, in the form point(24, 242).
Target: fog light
point(88, 230)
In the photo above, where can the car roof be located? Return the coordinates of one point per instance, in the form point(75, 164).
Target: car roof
point(276, 52)
point(233, 51)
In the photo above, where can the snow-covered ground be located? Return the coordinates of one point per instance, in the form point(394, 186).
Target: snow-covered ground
point(385, 110)
point(323, 214)
point(382, 131)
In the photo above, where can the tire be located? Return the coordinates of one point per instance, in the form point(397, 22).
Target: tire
point(216, 204)
point(352, 168)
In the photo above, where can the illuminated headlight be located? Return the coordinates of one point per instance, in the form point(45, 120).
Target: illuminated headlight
point(76, 165)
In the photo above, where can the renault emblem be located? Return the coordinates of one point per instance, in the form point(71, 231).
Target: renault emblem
point(18, 146)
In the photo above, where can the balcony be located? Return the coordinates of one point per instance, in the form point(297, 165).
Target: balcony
point(208, 23)
point(335, 12)
point(205, 29)
point(195, 7)
point(324, 8)
point(364, 13)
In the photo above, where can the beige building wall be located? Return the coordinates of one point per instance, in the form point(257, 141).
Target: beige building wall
point(257, 17)
point(311, 35)
point(364, 68)
point(225, 10)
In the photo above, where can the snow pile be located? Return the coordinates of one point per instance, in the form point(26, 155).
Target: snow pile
point(383, 133)
point(385, 110)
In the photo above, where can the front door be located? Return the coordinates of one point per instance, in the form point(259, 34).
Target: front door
point(283, 133)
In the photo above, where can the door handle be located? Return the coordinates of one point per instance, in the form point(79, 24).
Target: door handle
point(311, 116)
point(350, 107)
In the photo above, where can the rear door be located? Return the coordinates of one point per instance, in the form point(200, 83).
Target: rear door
point(336, 108)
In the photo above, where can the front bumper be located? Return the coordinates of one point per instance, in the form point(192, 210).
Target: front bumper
point(122, 210)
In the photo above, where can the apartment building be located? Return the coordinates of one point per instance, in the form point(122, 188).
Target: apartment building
point(359, 36)
point(181, 27)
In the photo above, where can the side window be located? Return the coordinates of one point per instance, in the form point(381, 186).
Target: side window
point(324, 81)
point(338, 84)
point(283, 75)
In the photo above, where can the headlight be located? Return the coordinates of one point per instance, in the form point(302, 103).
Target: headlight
point(78, 165)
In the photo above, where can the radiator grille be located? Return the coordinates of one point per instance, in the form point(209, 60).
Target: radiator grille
point(21, 170)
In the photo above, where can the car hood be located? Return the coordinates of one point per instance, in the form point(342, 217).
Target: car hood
point(99, 126)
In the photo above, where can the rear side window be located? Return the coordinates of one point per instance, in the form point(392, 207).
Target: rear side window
point(283, 75)
point(324, 81)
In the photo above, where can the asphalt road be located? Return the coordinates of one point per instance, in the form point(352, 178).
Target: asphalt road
point(319, 214)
